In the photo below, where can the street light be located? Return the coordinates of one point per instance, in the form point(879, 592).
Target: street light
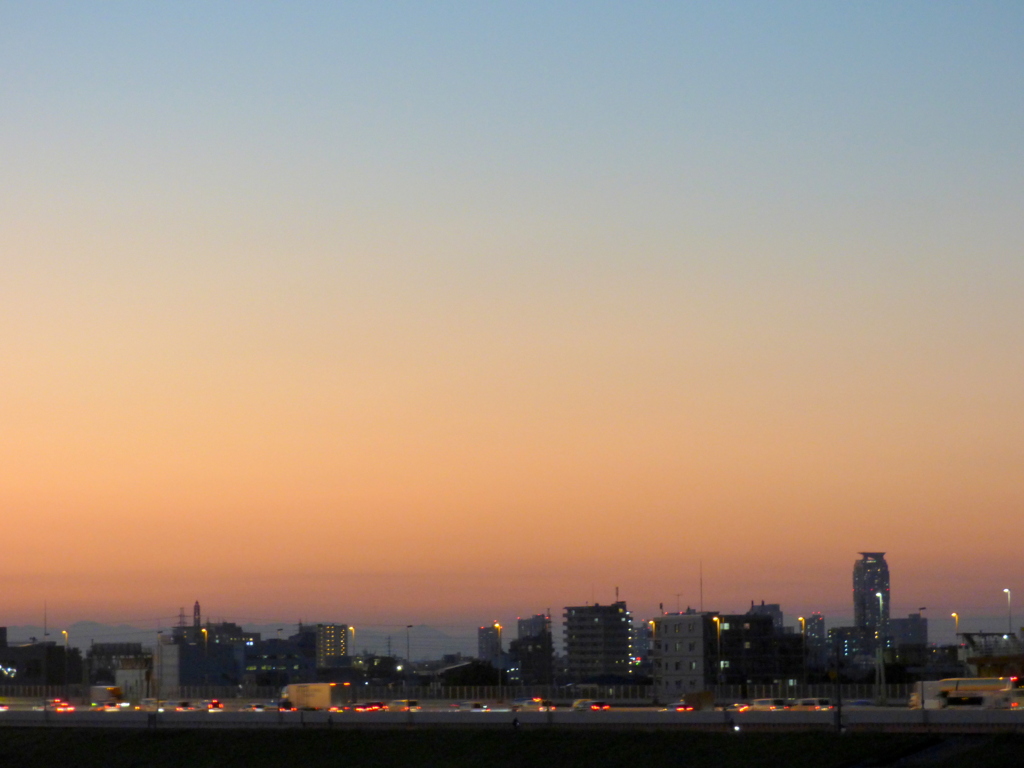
point(1009, 613)
point(956, 625)
point(497, 626)
point(65, 633)
point(803, 644)
point(718, 625)
point(206, 654)
point(879, 661)
point(408, 654)
point(159, 664)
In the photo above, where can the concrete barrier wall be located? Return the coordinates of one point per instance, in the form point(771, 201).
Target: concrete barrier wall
point(863, 718)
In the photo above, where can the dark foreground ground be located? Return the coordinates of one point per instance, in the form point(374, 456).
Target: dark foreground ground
point(452, 748)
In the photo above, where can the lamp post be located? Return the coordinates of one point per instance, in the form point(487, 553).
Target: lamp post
point(206, 654)
point(408, 654)
point(158, 663)
point(879, 660)
point(718, 626)
point(956, 624)
point(497, 626)
point(803, 646)
point(65, 633)
point(1009, 613)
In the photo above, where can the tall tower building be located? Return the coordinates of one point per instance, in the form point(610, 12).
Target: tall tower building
point(871, 577)
point(488, 643)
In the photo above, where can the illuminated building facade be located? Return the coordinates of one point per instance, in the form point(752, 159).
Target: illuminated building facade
point(331, 644)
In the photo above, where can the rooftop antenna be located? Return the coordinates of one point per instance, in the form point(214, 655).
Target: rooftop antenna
point(181, 617)
point(616, 594)
point(678, 595)
point(702, 586)
point(45, 633)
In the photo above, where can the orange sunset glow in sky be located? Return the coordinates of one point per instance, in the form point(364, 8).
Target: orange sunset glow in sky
point(448, 314)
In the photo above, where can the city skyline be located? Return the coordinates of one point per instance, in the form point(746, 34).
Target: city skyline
point(368, 311)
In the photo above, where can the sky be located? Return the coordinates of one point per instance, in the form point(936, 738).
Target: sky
point(441, 313)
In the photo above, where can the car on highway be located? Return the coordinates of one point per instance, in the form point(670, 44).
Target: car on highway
point(678, 706)
point(533, 704)
point(590, 705)
point(184, 706)
point(811, 705)
point(57, 705)
point(736, 706)
point(768, 705)
point(403, 705)
point(256, 706)
point(151, 705)
point(370, 706)
point(213, 705)
point(3, 707)
point(472, 706)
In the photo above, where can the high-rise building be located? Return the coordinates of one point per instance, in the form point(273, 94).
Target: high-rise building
point(534, 626)
point(770, 609)
point(871, 579)
point(488, 643)
point(598, 641)
point(331, 644)
point(912, 630)
point(532, 653)
point(816, 640)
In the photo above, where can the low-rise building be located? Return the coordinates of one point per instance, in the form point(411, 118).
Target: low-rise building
point(693, 651)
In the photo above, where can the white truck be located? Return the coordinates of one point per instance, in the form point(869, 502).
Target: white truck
point(106, 696)
point(968, 692)
point(312, 696)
